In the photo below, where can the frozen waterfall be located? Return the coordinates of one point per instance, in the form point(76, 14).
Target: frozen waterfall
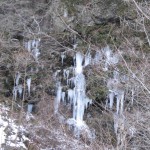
point(75, 86)
point(76, 96)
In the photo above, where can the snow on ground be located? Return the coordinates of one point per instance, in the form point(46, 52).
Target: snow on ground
point(10, 134)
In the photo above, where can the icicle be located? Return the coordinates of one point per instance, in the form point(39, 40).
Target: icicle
point(79, 60)
point(108, 53)
point(71, 82)
point(29, 46)
point(92, 134)
point(114, 59)
point(122, 103)
point(116, 124)
point(105, 67)
point(74, 61)
point(63, 96)
point(110, 58)
point(35, 53)
point(97, 58)
point(116, 74)
point(70, 95)
point(67, 75)
point(17, 78)
point(29, 85)
point(30, 107)
point(111, 99)
point(113, 86)
point(57, 73)
point(15, 93)
point(20, 89)
point(58, 98)
point(75, 46)
point(62, 58)
point(87, 58)
point(87, 102)
point(132, 98)
point(65, 13)
point(37, 70)
point(33, 43)
point(37, 43)
point(64, 73)
point(132, 131)
point(74, 110)
point(118, 102)
point(106, 105)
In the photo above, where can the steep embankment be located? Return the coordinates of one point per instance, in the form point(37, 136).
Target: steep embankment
point(38, 36)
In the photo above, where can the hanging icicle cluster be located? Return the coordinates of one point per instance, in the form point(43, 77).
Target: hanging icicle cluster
point(17, 87)
point(75, 95)
point(116, 92)
point(32, 47)
point(114, 84)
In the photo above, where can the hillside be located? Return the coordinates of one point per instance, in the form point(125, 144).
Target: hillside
point(74, 74)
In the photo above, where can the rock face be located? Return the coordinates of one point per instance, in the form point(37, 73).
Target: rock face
point(39, 38)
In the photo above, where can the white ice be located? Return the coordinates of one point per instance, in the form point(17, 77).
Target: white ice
point(76, 96)
point(88, 58)
point(97, 58)
point(70, 95)
point(18, 76)
point(79, 60)
point(20, 89)
point(29, 85)
point(58, 98)
point(15, 89)
point(62, 58)
point(63, 96)
point(29, 46)
point(30, 107)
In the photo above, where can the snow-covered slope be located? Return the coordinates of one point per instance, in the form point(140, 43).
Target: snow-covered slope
point(11, 134)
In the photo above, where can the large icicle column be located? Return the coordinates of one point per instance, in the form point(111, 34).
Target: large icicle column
point(80, 98)
point(76, 96)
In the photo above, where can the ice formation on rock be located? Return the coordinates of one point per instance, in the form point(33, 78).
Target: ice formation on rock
point(70, 95)
point(76, 87)
point(115, 90)
point(32, 47)
point(20, 90)
point(110, 58)
point(65, 13)
point(18, 76)
point(88, 58)
point(58, 97)
point(97, 58)
point(35, 53)
point(62, 57)
point(66, 73)
point(114, 84)
point(63, 95)
point(15, 89)
point(29, 85)
point(77, 95)
point(30, 107)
